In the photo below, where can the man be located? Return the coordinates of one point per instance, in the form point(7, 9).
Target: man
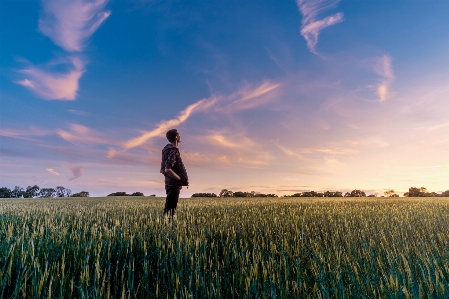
point(174, 171)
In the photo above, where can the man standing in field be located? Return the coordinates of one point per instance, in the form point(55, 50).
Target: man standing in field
point(174, 171)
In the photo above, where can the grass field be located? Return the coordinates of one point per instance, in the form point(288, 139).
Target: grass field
point(225, 248)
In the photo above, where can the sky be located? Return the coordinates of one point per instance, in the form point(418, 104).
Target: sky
point(268, 96)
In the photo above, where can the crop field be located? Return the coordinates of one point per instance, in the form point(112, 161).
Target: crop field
point(120, 247)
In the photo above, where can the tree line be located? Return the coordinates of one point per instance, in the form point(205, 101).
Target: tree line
point(412, 192)
point(229, 193)
point(35, 192)
point(126, 194)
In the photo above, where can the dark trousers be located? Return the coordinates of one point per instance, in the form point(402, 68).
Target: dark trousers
point(172, 199)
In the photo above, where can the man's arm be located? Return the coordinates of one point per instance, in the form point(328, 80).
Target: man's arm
point(173, 174)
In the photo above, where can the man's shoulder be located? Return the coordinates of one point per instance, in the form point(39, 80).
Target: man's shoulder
point(169, 147)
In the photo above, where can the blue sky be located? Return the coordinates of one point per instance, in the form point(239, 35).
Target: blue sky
point(271, 96)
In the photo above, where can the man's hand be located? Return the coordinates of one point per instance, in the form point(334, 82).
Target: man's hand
point(172, 174)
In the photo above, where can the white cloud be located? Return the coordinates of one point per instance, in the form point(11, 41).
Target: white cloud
point(70, 23)
point(311, 26)
point(54, 86)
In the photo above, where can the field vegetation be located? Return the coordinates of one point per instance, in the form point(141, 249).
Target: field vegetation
point(120, 247)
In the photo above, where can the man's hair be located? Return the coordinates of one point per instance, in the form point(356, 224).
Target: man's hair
point(171, 135)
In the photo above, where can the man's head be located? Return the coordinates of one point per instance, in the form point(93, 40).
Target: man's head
point(173, 135)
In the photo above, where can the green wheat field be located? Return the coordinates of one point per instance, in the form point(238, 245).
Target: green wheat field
point(120, 247)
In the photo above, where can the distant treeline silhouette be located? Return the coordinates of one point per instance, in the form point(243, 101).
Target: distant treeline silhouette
point(35, 191)
point(125, 194)
point(412, 192)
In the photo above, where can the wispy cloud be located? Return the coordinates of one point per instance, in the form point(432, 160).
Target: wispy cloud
point(70, 23)
point(242, 99)
point(54, 85)
point(311, 26)
point(81, 134)
point(436, 127)
point(23, 134)
point(164, 126)
point(76, 170)
point(383, 68)
point(221, 140)
point(248, 94)
point(79, 112)
point(51, 170)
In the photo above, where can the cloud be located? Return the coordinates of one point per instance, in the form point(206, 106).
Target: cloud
point(235, 148)
point(51, 85)
point(311, 26)
point(70, 23)
point(164, 126)
point(22, 134)
point(51, 170)
point(383, 68)
point(82, 134)
point(79, 112)
point(249, 97)
point(436, 127)
point(242, 99)
point(76, 170)
point(220, 140)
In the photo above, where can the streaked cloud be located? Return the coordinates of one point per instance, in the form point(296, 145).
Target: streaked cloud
point(23, 134)
point(81, 134)
point(248, 94)
point(311, 26)
point(51, 170)
point(241, 99)
point(383, 68)
point(439, 126)
point(79, 112)
point(76, 170)
point(54, 85)
point(70, 23)
point(217, 139)
point(164, 126)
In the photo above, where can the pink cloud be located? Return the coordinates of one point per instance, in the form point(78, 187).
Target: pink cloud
point(81, 134)
point(250, 97)
point(22, 134)
point(54, 86)
point(311, 27)
point(70, 23)
point(52, 171)
point(76, 170)
point(383, 68)
point(164, 126)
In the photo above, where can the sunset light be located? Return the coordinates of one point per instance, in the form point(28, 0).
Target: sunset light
point(268, 96)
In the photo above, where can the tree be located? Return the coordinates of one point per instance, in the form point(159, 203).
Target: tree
point(47, 192)
point(357, 193)
point(445, 193)
point(5, 192)
point(119, 194)
point(240, 194)
point(63, 192)
point(31, 191)
point(226, 193)
point(204, 195)
point(81, 194)
point(415, 192)
point(347, 194)
point(390, 193)
point(137, 194)
point(17, 192)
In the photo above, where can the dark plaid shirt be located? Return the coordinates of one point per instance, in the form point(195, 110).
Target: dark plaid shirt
point(171, 159)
